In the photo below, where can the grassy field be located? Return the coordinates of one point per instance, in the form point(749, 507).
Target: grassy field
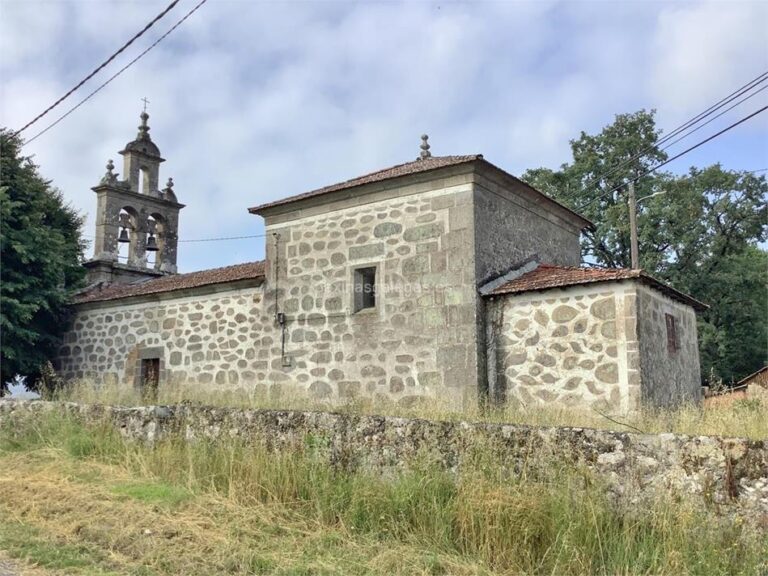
point(746, 418)
point(77, 500)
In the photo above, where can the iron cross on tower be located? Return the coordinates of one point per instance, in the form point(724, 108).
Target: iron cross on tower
point(145, 103)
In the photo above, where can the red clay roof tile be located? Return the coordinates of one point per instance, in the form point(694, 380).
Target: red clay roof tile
point(546, 276)
point(173, 282)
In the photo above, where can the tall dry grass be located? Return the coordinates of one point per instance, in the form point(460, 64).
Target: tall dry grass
point(549, 519)
point(745, 418)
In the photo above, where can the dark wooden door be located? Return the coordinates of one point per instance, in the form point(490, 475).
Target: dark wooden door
point(150, 378)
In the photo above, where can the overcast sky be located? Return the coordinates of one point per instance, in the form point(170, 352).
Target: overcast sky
point(252, 101)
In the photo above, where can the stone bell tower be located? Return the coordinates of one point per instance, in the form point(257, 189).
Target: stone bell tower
point(134, 213)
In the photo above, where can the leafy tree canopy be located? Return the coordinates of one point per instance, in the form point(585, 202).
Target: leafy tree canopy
point(41, 253)
point(702, 235)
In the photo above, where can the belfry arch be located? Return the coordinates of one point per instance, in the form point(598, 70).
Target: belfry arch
point(136, 222)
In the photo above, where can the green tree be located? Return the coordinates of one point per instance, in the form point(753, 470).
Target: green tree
point(41, 253)
point(733, 333)
point(702, 235)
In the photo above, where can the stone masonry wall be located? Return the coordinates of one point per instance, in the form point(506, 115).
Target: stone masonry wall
point(219, 339)
point(419, 340)
point(509, 229)
point(668, 378)
point(573, 348)
point(732, 473)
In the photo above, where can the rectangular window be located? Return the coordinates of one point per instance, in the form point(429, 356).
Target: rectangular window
point(673, 344)
point(365, 288)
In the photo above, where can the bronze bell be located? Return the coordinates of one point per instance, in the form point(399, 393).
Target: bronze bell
point(124, 236)
point(152, 244)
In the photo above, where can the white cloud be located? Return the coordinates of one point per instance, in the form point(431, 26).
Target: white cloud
point(253, 101)
point(703, 51)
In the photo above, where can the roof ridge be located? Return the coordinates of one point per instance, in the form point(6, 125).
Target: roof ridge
point(396, 166)
point(425, 161)
point(430, 159)
point(403, 169)
point(596, 268)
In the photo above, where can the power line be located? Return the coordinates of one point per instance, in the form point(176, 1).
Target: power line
point(715, 107)
point(676, 156)
point(119, 72)
point(225, 238)
point(715, 117)
point(692, 122)
point(99, 68)
point(213, 239)
point(689, 123)
point(715, 135)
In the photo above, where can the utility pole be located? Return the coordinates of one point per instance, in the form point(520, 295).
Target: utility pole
point(634, 250)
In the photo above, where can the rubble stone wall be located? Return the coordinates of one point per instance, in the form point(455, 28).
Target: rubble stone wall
point(431, 241)
point(221, 338)
point(729, 472)
point(419, 339)
point(669, 377)
point(573, 348)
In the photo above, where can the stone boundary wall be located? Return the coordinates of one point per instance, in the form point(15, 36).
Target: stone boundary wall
point(729, 472)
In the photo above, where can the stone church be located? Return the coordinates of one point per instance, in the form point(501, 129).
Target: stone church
point(443, 277)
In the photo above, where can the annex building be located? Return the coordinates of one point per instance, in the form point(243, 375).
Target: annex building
point(443, 277)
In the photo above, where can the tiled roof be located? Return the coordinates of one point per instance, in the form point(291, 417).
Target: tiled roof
point(546, 276)
point(173, 282)
point(415, 167)
point(760, 377)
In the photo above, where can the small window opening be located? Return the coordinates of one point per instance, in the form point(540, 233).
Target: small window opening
point(365, 288)
point(673, 344)
point(143, 181)
point(150, 378)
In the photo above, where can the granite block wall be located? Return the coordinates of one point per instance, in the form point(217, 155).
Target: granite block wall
point(570, 348)
point(509, 228)
point(431, 242)
point(221, 339)
point(669, 378)
point(419, 339)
